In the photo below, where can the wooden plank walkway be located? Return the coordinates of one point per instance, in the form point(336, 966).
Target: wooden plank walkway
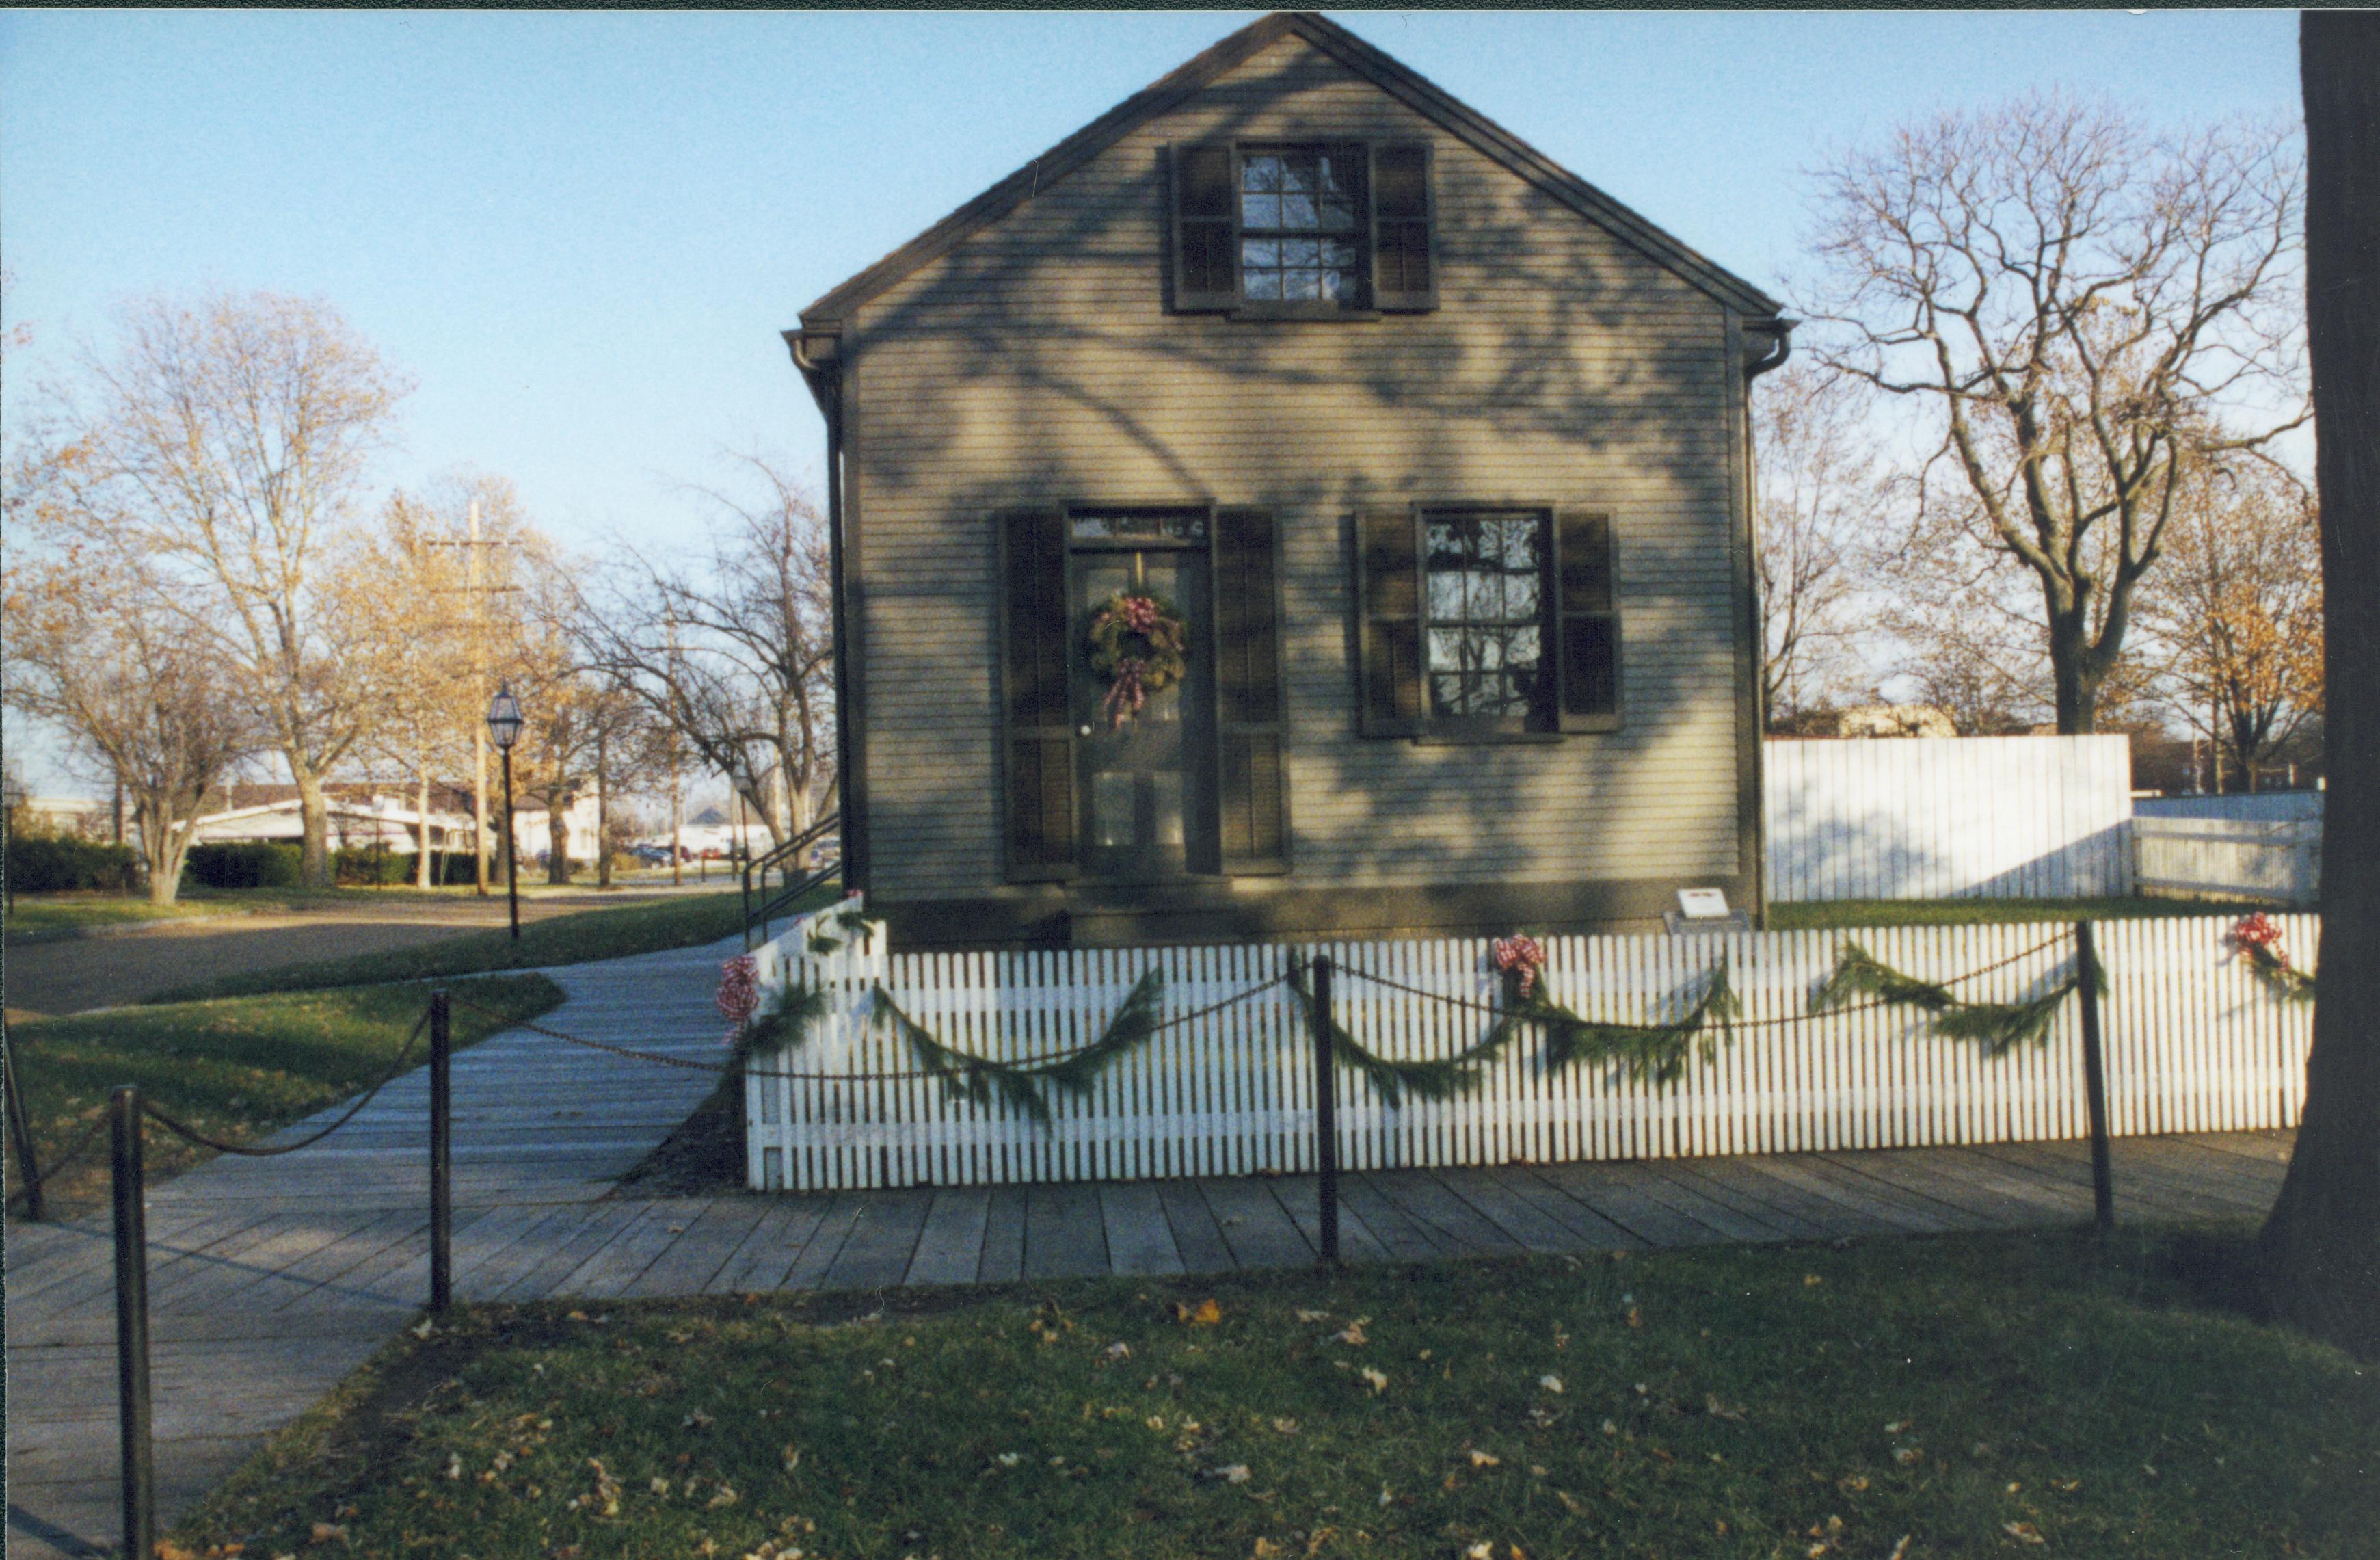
point(271, 1279)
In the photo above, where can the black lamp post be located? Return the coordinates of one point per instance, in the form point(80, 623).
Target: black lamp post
point(503, 728)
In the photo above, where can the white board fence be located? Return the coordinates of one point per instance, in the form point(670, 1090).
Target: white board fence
point(2193, 1043)
point(2223, 859)
point(1925, 818)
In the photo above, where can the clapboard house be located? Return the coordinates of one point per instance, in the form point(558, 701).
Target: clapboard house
point(1433, 458)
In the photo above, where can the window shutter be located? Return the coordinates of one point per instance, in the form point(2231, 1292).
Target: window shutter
point(1037, 735)
point(1586, 604)
point(1252, 785)
point(1404, 230)
point(1387, 602)
point(1206, 228)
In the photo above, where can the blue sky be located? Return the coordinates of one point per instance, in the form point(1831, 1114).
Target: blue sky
point(580, 233)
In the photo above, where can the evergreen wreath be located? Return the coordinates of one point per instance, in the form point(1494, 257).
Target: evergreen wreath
point(1139, 644)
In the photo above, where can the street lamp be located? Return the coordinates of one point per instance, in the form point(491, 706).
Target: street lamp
point(503, 729)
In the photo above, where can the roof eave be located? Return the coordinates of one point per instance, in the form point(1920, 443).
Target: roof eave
point(836, 306)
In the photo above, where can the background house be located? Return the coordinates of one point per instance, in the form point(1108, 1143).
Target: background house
point(1439, 452)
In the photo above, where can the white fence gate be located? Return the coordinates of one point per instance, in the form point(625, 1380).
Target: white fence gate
point(2221, 859)
point(2193, 1041)
point(1922, 818)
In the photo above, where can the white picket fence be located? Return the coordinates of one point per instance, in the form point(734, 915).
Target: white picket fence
point(2193, 1041)
point(1922, 818)
point(2227, 859)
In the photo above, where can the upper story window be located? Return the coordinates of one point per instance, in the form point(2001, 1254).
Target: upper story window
point(1312, 231)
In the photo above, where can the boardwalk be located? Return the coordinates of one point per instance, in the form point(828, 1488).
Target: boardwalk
point(271, 1279)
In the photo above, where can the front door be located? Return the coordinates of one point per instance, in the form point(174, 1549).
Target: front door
point(1146, 807)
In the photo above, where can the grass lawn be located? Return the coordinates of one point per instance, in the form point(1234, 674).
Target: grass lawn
point(237, 1069)
point(569, 939)
point(1956, 1397)
point(1820, 915)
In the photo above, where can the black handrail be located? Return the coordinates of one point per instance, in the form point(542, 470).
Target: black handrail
point(782, 858)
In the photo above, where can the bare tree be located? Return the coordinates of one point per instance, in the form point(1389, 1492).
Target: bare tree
point(92, 650)
point(2235, 615)
point(2091, 311)
point(736, 655)
point(2322, 1245)
point(224, 444)
point(1821, 498)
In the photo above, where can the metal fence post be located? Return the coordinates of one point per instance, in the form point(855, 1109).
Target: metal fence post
point(2095, 1077)
point(442, 1159)
point(29, 1169)
point(139, 1470)
point(1326, 1113)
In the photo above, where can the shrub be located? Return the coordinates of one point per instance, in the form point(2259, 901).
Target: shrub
point(56, 863)
point(243, 864)
point(364, 867)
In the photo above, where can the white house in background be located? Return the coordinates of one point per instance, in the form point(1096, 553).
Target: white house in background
point(363, 815)
point(85, 817)
point(712, 832)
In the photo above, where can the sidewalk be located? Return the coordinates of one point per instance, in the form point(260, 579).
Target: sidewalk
point(271, 1279)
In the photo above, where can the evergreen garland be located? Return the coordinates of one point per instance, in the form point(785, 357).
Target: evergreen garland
point(1998, 1027)
point(786, 1024)
point(1655, 1053)
point(1022, 1086)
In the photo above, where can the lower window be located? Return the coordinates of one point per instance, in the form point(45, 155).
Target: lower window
point(1487, 622)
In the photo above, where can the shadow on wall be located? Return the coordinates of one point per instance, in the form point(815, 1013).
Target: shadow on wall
point(1818, 849)
point(1036, 362)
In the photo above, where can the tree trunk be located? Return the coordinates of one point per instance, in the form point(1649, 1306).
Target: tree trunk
point(603, 813)
point(157, 852)
point(557, 848)
point(2322, 1245)
point(314, 820)
point(422, 877)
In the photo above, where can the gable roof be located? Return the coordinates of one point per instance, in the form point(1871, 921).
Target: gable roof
point(1398, 80)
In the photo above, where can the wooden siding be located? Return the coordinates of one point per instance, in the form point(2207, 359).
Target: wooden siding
point(1037, 363)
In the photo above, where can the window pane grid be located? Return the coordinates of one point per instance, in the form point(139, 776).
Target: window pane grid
point(1298, 227)
point(1485, 652)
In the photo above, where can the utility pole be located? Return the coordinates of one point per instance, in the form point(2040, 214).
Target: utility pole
point(478, 730)
point(472, 546)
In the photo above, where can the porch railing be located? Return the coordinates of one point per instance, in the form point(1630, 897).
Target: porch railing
point(763, 904)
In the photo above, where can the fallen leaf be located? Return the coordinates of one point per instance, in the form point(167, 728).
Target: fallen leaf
point(423, 1330)
point(1266, 1549)
point(1483, 1550)
point(1229, 1473)
point(2026, 1533)
point(329, 1532)
point(791, 1458)
point(1484, 1460)
point(1009, 1459)
point(1810, 1281)
point(1635, 1317)
point(1853, 1483)
point(1304, 1315)
point(695, 1420)
point(1379, 1382)
point(1286, 1427)
point(1352, 1336)
point(1900, 1550)
point(1897, 1426)
point(1571, 1503)
point(1905, 1456)
point(2066, 1486)
point(1550, 1383)
point(1206, 1314)
point(1718, 1410)
point(1118, 1351)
